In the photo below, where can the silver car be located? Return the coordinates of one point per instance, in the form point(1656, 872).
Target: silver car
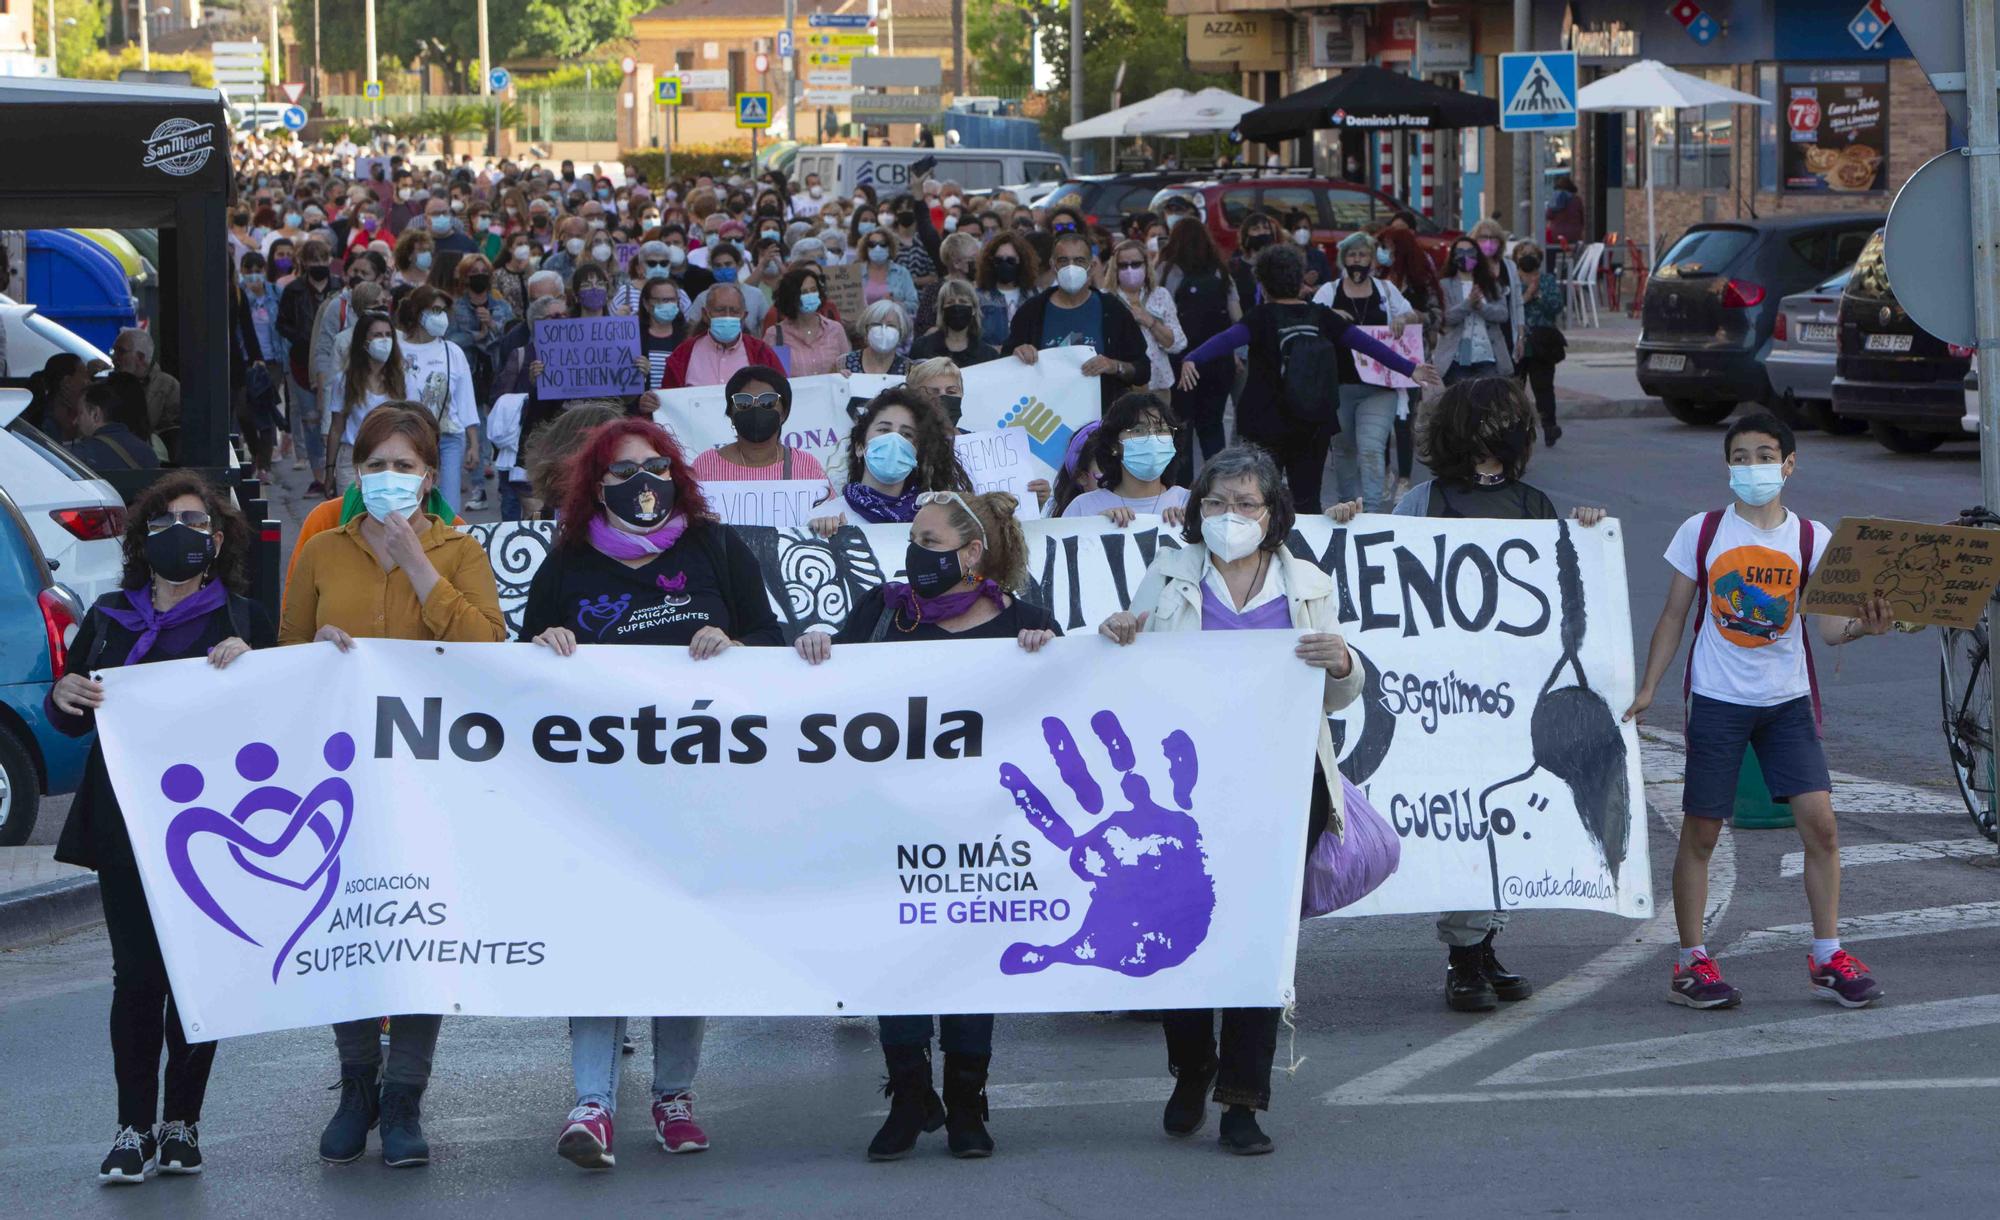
point(1804, 339)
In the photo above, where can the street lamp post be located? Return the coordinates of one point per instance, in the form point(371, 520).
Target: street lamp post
point(369, 72)
point(486, 86)
point(1075, 80)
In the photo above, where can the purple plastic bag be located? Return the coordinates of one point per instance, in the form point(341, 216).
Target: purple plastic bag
point(1345, 868)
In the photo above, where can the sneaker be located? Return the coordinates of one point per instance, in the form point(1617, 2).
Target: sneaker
point(1699, 985)
point(317, 488)
point(1844, 980)
point(476, 502)
point(586, 1137)
point(180, 1148)
point(673, 1123)
point(135, 1156)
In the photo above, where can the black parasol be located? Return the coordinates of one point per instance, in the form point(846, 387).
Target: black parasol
point(1368, 99)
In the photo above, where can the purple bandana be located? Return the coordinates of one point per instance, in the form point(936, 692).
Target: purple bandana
point(880, 509)
point(908, 606)
point(149, 623)
point(619, 544)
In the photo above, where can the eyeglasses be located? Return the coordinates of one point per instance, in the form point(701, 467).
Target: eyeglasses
point(658, 467)
point(1062, 228)
point(744, 402)
point(193, 518)
point(1215, 506)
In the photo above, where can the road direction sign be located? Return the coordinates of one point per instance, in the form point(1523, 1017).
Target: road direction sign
point(667, 90)
point(1928, 248)
point(1935, 32)
point(862, 39)
point(295, 118)
point(834, 59)
point(897, 107)
point(829, 78)
point(499, 79)
point(701, 80)
point(372, 90)
point(294, 90)
point(829, 97)
point(753, 110)
point(840, 21)
point(1538, 91)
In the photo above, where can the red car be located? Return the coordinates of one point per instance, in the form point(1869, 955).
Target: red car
point(1339, 208)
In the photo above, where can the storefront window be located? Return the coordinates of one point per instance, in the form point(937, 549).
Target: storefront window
point(1689, 149)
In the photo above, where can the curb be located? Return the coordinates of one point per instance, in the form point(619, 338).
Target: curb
point(46, 912)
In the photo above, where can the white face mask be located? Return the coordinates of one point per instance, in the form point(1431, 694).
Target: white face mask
point(1302, 236)
point(436, 322)
point(1231, 536)
point(380, 348)
point(883, 338)
point(574, 245)
point(952, 201)
point(601, 252)
point(1072, 278)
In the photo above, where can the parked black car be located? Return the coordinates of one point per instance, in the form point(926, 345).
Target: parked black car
point(1906, 383)
point(1711, 302)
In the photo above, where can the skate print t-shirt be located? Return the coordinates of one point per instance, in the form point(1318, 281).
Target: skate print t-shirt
point(1749, 649)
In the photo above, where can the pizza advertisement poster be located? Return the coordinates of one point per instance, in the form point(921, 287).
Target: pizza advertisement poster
point(1835, 137)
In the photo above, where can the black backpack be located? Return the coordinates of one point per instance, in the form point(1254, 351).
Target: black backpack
point(1202, 302)
point(1308, 374)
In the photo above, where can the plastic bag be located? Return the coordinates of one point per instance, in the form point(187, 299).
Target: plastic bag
point(1345, 868)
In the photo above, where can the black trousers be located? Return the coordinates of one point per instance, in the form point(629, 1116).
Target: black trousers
point(1242, 1059)
point(1541, 378)
point(1301, 454)
point(143, 1016)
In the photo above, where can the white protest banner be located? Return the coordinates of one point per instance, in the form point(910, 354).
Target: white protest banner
point(588, 357)
point(1410, 345)
point(1000, 460)
point(1497, 654)
point(778, 503)
point(954, 826)
point(817, 424)
point(1050, 399)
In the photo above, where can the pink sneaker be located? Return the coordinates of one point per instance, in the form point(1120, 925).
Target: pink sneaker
point(673, 1121)
point(586, 1137)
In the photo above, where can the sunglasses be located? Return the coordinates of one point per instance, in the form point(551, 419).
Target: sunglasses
point(1124, 266)
point(660, 263)
point(193, 518)
point(658, 467)
point(744, 402)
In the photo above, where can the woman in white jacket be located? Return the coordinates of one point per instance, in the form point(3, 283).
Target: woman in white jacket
point(1235, 573)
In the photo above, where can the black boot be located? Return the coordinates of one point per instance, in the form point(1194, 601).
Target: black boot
point(1241, 1134)
point(914, 1107)
point(403, 1142)
point(1187, 1109)
point(1465, 985)
point(965, 1105)
point(1551, 430)
point(346, 1134)
point(1505, 983)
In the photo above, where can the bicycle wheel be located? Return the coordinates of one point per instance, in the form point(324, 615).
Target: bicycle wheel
point(1968, 729)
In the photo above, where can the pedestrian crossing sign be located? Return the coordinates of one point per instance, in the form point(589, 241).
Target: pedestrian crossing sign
point(1538, 91)
point(668, 90)
point(753, 110)
point(372, 90)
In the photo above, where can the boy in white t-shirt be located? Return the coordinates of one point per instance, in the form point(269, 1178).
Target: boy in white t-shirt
point(1751, 682)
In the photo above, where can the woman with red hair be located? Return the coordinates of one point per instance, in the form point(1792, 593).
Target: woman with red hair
point(639, 560)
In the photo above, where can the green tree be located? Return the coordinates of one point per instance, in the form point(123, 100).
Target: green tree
point(446, 32)
point(1139, 34)
point(79, 30)
point(997, 34)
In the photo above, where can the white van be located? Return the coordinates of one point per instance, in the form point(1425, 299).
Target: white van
point(843, 167)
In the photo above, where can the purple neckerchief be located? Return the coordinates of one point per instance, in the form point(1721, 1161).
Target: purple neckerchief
point(619, 544)
point(873, 506)
point(149, 623)
point(904, 601)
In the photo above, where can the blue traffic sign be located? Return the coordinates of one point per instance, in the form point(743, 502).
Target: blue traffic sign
point(753, 110)
point(499, 79)
point(784, 44)
point(295, 118)
point(840, 21)
point(1538, 91)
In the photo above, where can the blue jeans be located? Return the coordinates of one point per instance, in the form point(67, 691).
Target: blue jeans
point(510, 497)
point(967, 1034)
point(451, 468)
point(308, 425)
point(596, 1054)
point(1360, 448)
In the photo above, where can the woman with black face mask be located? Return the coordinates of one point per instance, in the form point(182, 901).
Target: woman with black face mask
point(182, 597)
point(759, 400)
point(1257, 233)
point(638, 559)
point(965, 559)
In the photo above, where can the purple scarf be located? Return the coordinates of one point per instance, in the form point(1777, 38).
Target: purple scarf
point(619, 544)
point(904, 601)
point(880, 509)
point(149, 623)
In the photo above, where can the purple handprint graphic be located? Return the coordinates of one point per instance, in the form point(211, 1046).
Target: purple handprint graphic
point(182, 783)
point(1151, 893)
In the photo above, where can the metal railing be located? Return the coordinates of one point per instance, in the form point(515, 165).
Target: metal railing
point(546, 114)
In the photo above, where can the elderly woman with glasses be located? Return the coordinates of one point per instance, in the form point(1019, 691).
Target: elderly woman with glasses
point(885, 334)
point(966, 561)
point(1236, 574)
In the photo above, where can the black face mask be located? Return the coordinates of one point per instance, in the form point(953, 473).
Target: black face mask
point(479, 283)
point(905, 219)
point(1531, 264)
point(179, 553)
point(1257, 241)
point(644, 500)
point(954, 407)
point(317, 274)
point(1006, 270)
point(1357, 274)
point(932, 573)
point(756, 424)
point(957, 317)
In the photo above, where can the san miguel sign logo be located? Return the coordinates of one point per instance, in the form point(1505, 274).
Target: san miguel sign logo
point(179, 147)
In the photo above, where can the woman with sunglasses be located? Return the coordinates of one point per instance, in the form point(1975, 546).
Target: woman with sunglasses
point(966, 561)
point(395, 572)
point(759, 401)
point(1128, 279)
point(182, 597)
point(901, 446)
point(638, 559)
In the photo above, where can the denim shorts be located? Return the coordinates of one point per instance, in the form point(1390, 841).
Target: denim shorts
point(1788, 749)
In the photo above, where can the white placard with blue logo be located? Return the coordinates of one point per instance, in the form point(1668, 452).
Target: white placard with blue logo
point(1538, 91)
point(295, 118)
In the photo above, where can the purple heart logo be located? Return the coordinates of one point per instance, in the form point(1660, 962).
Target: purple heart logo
point(324, 813)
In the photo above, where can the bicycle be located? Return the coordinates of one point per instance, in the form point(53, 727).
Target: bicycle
point(1968, 725)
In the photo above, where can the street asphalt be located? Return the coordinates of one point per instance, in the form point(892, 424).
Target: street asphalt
point(1594, 1097)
